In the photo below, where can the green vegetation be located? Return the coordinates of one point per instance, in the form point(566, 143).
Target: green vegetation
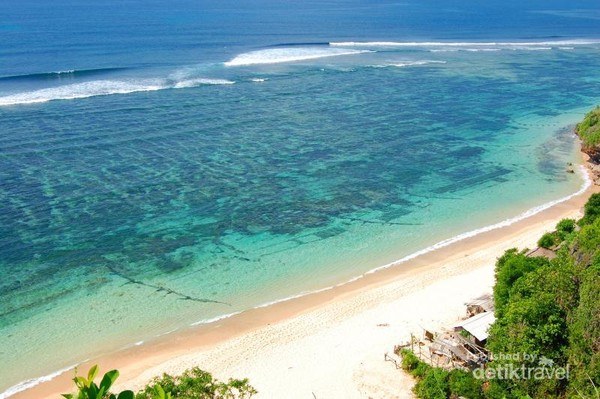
point(564, 232)
point(548, 241)
point(197, 384)
point(87, 388)
point(589, 130)
point(546, 309)
point(192, 384)
point(509, 268)
point(565, 229)
point(591, 211)
point(437, 383)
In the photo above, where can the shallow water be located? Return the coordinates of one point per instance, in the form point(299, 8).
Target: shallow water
point(148, 190)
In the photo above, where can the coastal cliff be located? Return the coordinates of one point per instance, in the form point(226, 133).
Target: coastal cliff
point(588, 131)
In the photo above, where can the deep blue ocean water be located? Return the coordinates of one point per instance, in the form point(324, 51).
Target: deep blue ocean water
point(164, 164)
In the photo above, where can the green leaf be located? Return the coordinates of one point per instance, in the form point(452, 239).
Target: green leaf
point(93, 391)
point(126, 395)
point(109, 379)
point(160, 392)
point(93, 372)
point(80, 382)
point(67, 395)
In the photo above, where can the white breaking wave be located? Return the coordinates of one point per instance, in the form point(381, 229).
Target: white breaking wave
point(578, 42)
point(103, 88)
point(476, 50)
point(201, 81)
point(407, 64)
point(531, 48)
point(214, 319)
point(411, 63)
point(258, 80)
point(32, 382)
point(446, 50)
point(289, 54)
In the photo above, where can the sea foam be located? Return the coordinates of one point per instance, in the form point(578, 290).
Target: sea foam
point(407, 64)
point(578, 42)
point(32, 382)
point(103, 88)
point(289, 54)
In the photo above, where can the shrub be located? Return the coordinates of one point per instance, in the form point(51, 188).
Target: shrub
point(464, 384)
point(591, 210)
point(509, 268)
point(589, 129)
point(434, 385)
point(566, 226)
point(87, 388)
point(409, 360)
point(192, 384)
point(548, 241)
point(197, 384)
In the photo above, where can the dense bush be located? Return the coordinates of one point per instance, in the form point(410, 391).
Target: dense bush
point(565, 228)
point(589, 129)
point(591, 210)
point(87, 388)
point(463, 384)
point(509, 268)
point(554, 311)
point(548, 240)
point(198, 384)
point(192, 384)
point(545, 308)
point(437, 383)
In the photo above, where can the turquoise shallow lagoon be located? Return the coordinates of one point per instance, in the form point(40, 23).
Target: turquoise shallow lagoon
point(142, 199)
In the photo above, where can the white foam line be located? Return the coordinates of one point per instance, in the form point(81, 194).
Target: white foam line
point(405, 64)
point(464, 44)
point(476, 50)
point(410, 63)
point(103, 88)
point(292, 54)
point(214, 319)
point(201, 81)
point(33, 382)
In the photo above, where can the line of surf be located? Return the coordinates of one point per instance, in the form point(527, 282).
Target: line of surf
point(103, 88)
point(27, 384)
point(575, 42)
point(289, 54)
point(408, 64)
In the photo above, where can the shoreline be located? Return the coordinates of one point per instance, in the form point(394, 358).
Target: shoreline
point(140, 362)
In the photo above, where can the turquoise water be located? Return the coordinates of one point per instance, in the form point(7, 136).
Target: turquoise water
point(149, 193)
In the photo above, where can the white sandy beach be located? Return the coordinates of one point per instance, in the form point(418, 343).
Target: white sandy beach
point(337, 351)
point(332, 344)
